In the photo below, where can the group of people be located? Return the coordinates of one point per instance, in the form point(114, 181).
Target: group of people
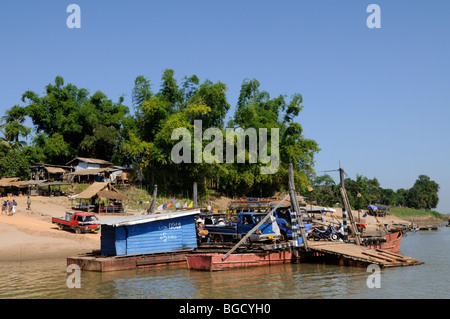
point(9, 207)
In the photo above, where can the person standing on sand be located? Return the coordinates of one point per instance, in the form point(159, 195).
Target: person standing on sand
point(9, 207)
point(4, 205)
point(28, 203)
point(14, 206)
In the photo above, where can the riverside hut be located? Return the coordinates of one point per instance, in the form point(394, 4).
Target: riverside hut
point(147, 234)
point(97, 195)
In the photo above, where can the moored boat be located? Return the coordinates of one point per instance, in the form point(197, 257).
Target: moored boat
point(391, 242)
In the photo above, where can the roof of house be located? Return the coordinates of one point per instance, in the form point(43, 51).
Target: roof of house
point(101, 189)
point(92, 171)
point(55, 170)
point(90, 160)
point(9, 181)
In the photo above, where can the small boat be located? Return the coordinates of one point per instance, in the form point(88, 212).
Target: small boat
point(428, 227)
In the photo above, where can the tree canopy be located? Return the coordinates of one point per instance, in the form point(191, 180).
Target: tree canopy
point(68, 121)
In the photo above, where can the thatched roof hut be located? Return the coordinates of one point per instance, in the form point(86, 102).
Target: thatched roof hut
point(11, 182)
point(102, 190)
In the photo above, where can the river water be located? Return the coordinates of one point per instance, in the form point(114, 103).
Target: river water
point(47, 279)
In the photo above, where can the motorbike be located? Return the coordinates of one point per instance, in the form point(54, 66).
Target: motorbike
point(328, 233)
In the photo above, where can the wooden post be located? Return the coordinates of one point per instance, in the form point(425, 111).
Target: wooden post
point(344, 213)
point(152, 208)
point(346, 207)
point(195, 195)
point(296, 215)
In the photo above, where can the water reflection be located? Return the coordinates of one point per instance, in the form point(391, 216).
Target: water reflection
point(47, 279)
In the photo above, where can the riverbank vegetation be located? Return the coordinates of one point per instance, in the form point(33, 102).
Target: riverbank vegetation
point(66, 121)
point(417, 214)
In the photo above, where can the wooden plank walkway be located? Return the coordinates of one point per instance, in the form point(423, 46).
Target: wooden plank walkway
point(352, 253)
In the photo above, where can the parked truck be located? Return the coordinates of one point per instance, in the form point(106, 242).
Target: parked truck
point(284, 221)
point(76, 221)
point(245, 222)
point(282, 214)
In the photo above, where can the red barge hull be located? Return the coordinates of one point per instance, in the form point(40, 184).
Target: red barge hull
point(392, 243)
point(214, 262)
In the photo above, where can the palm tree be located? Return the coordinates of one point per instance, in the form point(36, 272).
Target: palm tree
point(12, 128)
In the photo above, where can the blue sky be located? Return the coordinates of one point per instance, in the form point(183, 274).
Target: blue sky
point(376, 100)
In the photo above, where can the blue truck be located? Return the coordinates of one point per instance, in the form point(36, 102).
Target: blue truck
point(244, 223)
point(284, 221)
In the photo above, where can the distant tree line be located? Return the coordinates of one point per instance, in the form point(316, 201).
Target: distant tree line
point(364, 191)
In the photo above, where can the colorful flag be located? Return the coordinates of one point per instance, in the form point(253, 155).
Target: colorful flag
point(173, 200)
point(185, 204)
point(169, 205)
point(177, 205)
point(191, 204)
point(165, 206)
point(160, 207)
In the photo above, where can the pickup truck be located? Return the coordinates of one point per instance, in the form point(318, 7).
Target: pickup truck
point(245, 222)
point(75, 221)
point(284, 221)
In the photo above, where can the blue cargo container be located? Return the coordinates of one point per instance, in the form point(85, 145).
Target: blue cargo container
point(145, 234)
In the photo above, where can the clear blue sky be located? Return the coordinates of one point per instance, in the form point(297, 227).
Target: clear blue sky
point(376, 100)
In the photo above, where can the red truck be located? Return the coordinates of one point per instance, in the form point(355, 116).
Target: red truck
point(75, 221)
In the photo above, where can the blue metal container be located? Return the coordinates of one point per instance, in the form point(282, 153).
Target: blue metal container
point(145, 234)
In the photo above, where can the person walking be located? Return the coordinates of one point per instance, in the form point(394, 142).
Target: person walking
point(28, 203)
point(14, 205)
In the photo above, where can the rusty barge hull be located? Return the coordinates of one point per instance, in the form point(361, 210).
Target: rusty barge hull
point(210, 257)
point(390, 243)
point(214, 261)
point(91, 262)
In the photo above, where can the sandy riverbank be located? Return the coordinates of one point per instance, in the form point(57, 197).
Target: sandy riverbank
point(30, 235)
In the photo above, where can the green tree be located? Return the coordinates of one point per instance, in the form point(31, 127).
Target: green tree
point(15, 164)
point(325, 192)
point(423, 194)
point(13, 129)
point(71, 123)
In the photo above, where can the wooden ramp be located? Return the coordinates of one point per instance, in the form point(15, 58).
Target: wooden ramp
point(352, 254)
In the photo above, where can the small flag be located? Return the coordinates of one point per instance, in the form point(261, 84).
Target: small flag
point(169, 205)
point(165, 206)
point(310, 189)
point(177, 205)
point(185, 204)
point(160, 207)
point(173, 200)
point(191, 204)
